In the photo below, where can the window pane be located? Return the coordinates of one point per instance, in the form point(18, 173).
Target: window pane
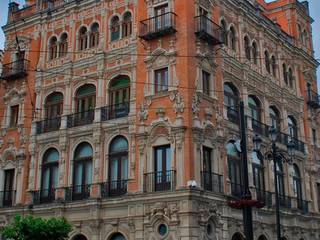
point(124, 167)
point(114, 170)
point(168, 160)
point(88, 179)
point(55, 177)
point(159, 159)
point(46, 178)
point(78, 172)
point(118, 144)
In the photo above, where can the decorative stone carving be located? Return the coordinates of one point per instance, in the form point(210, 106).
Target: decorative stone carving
point(196, 104)
point(143, 113)
point(178, 102)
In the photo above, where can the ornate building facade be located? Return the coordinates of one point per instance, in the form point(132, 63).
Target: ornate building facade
point(121, 116)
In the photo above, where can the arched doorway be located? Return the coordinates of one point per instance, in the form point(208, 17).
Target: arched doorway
point(79, 237)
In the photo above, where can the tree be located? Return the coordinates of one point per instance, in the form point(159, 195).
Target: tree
point(36, 228)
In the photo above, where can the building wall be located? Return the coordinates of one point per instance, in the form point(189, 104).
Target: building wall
point(183, 117)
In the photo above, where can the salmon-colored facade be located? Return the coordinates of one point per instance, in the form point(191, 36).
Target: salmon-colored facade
point(122, 116)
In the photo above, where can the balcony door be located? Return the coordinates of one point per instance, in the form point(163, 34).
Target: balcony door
point(119, 96)
point(53, 110)
point(86, 101)
point(18, 63)
point(118, 168)
point(163, 174)
point(162, 20)
point(50, 171)
point(8, 187)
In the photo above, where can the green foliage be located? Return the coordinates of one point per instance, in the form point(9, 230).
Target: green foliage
point(36, 228)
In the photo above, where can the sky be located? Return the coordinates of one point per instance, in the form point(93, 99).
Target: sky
point(314, 12)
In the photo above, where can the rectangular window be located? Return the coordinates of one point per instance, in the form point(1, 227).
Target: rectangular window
point(314, 136)
point(206, 82)
point(161, 80)
point(14, 115)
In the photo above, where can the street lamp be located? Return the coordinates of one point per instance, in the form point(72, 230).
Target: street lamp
point(277, 155)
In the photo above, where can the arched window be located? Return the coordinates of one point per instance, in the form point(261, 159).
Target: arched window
point(115, 28)
point(297, 187)
point(280, 178)
point(119, 96)
point(224, 32)
point(118, 165)
point(82, 171)
point(117, 236)
point(231, 101)
point(275, 118)
point(63, 45)
point(255, 53)
point(305, 38)
point(83, 38)
point(234, 164)
point(50, 172)
point(85, 103)
point(53, 48)
point(258, 175)
point(127, 25)
point(233, 40)
point(255, 108)
point(262, 237)
point(274, 66)
point(79, 237)
point(54, 105)
point(285, 74)
point(86, 98)
point(290, 78)
point(267, 61)
point(300, 34)
point(94, 35)
point(247, 48)
point(292, 127)
point(237, 236)
point(53, 110)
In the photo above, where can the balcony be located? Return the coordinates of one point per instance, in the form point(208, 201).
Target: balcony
point(77, 192)
point(302, 205)
point(236, 190)
point(285, 201)
point(233, 115)
point(15, 70)
point(158, 26)
point(48, 125)
point(114, 188)
point(160, 181)
point(43, 196)
point(313, 99)
point(260, 128)
point(207, 30)
point(7, 198)
point(212, 182)
point(264, 197)
point(80, 119)
point(114, 111)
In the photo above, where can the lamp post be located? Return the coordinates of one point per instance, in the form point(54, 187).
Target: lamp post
point(277, 155)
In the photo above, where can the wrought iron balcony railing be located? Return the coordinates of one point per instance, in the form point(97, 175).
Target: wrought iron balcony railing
point(77, 192)
point(114, 111)
point(114, 188)
point(80, 118)
point(233, 115)
point(313, 99)
point(158, 26)
point(15, 70)
point(7, 198)
point(207, 30)
point(236, 190)
point(264, 197)
point(212, 182)
point(44, 196)
point(48, 125)
point(160, 181)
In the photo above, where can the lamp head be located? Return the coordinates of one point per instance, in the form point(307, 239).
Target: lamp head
point(273, 133)
point(257, 141)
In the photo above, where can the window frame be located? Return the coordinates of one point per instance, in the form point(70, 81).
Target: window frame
point(161, 85)
point(14, 116)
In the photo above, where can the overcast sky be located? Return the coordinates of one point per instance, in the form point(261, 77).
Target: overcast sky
point(314, 12)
